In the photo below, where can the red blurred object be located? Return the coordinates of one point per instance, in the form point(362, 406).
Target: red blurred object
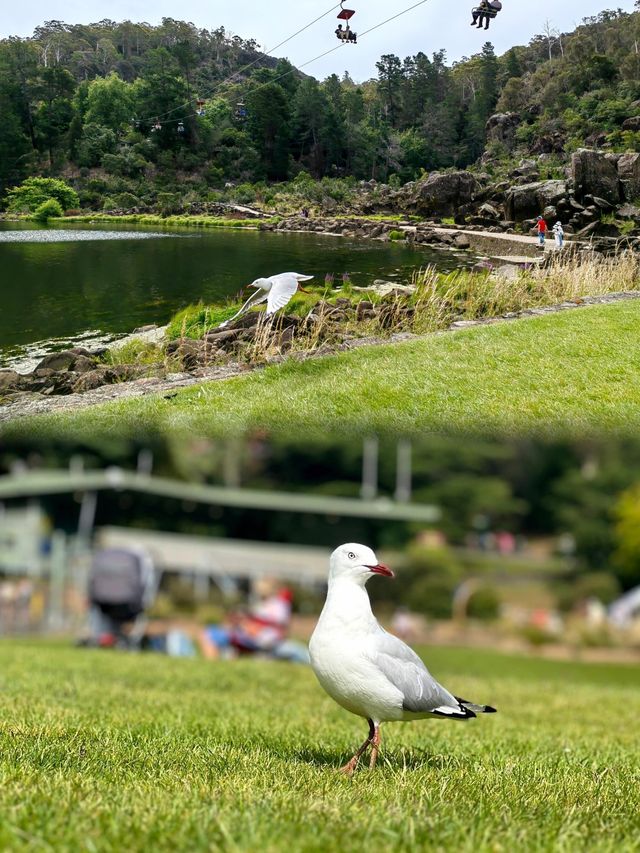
point(345, 14)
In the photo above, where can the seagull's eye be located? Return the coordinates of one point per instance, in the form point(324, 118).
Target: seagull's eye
point(351, 555)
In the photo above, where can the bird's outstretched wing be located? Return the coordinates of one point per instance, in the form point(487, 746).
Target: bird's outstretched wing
point(422, 694)
point(298, 276)
point(283, 288)
point(255, 299)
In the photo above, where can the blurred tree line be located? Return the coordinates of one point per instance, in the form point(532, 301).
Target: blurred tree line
point(583, 496)
point(137, 114)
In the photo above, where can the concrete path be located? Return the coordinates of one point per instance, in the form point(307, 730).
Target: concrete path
point(517, 248)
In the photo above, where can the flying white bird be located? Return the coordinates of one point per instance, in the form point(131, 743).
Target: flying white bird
point(366, 670)
point(276, 291)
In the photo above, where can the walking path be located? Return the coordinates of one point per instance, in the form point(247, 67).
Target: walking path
point(515, 248)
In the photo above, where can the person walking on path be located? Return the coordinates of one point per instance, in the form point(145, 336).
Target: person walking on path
point(558, 231)
point(541, 226)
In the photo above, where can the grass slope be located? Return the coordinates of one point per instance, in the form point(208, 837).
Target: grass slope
point(576, 371)
point(108, 751)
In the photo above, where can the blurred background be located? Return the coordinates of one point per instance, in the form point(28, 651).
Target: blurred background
point(512, 544)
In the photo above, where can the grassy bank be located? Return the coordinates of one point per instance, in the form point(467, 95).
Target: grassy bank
point(438, 299)
point(108, 751)
point(571, 372)
point(177, 220)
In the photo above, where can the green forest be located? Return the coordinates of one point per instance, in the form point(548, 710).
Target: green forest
point(139, 115)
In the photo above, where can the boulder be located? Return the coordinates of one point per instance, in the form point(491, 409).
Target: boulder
point(525, 169)
point(93, 379)
point(83, 364)
point(57, 361)
point(285, 338)
point(364, 309)
point(596, 139)
point(628, 211)
point(599, 203)
point(9, 380)
point(488, 211)
point(225, 336)
point(598, 229)
point(549, 143)
point(629, 176)
point(501, 128)
point(442, 193)
point(461, 241)
point(190, 352)
point(594, 173)
point(528, 200)
point(632, 124)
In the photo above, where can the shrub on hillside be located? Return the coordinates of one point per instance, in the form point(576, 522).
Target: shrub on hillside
point(34, 191)
point(433, 574)
point(433, 596)
point(484, 604)
point(49, 209)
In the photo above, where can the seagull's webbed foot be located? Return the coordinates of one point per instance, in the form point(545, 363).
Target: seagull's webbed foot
point(351, 765)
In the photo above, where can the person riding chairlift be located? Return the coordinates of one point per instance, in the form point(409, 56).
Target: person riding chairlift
point(346, 34)
point(487, 10)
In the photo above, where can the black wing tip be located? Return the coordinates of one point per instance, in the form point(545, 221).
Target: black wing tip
point(481, 709)
point(462, 714)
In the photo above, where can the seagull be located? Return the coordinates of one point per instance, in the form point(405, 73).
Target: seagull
point(276, 291)
point(367, 670)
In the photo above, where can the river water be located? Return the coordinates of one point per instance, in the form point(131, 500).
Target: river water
point(63, 284)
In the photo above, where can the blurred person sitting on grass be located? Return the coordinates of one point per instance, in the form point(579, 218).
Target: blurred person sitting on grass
point(262, 629)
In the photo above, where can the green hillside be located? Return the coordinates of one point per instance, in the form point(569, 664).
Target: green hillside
point(113, 108)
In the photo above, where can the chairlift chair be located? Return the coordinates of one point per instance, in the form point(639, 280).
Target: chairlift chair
point(180, 127)
point(346, 34)
point(491, 12)
point(241, 111)
point(200, 107)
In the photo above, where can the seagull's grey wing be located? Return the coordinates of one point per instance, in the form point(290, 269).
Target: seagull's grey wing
point(280, 294)
point(422, 694)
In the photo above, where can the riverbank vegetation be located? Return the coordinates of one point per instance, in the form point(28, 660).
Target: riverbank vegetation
point(548, 375)
point(432, 301)
point(182, 221)
point(134, 115)
point(326, 318)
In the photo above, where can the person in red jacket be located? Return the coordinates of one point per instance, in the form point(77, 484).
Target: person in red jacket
point(542, 231)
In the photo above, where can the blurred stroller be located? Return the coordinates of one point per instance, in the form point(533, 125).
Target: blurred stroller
point(122, 585)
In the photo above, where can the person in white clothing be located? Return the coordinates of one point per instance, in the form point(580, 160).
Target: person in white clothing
point(558, 232)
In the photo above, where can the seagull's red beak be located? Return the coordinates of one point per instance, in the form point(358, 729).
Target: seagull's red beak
point(381, 569)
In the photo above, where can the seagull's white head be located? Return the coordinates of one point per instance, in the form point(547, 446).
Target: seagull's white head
point(357, 563)
point(261, 284)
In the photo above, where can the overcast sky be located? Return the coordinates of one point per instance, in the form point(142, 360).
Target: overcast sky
point(435, 24)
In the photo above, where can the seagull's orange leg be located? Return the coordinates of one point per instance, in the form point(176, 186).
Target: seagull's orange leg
point(375, 746)
point(351, 765)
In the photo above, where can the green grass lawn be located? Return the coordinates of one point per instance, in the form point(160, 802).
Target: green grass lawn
point(113, 751)
point(573, 372)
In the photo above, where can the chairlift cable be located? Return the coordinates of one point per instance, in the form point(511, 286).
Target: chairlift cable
point(392, 18)
point(244, 68)
point(326, 53)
